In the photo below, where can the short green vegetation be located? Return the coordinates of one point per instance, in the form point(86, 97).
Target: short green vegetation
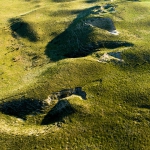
point(74, 75)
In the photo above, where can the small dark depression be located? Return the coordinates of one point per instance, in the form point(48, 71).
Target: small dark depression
point(22, 29)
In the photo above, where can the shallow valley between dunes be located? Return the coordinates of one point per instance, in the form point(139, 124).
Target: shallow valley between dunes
point(74, 75)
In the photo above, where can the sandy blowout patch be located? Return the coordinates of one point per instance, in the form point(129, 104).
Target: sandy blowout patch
point(114, 32)
point(103, 23)
point(107, 57)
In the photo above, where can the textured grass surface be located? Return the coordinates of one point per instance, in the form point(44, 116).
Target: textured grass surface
point(46, 47)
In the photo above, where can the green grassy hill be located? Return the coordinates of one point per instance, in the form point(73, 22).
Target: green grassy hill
point(74, 75)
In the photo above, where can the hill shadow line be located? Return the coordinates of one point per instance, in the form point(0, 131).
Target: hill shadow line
point(75, 40)
point(61, 110)
point(22, 107)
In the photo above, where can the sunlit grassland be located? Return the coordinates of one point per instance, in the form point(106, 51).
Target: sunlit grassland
point(116, 113)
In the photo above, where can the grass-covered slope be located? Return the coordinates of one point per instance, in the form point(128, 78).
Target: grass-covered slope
point(74, 74)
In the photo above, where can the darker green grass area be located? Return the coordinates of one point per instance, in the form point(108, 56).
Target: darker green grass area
point(57, 94)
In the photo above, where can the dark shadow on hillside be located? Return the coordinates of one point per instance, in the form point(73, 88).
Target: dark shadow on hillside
point(145, 106)
point(134, 0)
point(58, 1)
point(22, 29)
point(80, 92)
point(75, 40)
point(93, 48)
point(92, 1)
point(22, 107)
point(61, 110)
